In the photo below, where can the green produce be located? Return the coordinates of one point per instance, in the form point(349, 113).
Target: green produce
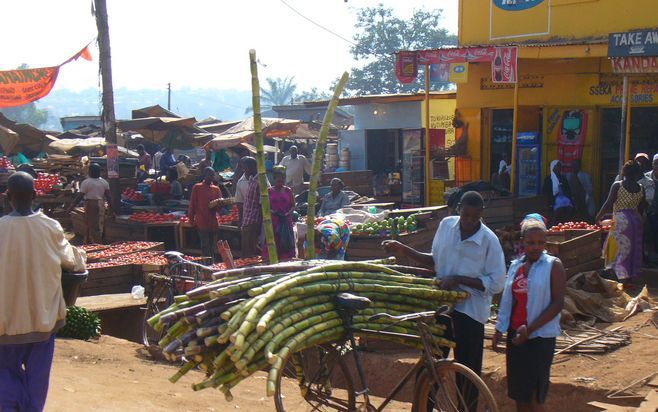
point(80, 324)
point(231, 335)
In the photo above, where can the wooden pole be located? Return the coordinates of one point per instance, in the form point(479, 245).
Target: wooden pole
point(168, 96)
point(627, 131)
point(515, 123)
point(427, 135)
point(622, 133)
point(109, 119)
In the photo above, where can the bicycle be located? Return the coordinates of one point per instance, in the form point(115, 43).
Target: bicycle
point(441, 384)
point(163, 287)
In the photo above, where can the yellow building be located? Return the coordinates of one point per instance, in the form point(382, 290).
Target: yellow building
point(566, 86)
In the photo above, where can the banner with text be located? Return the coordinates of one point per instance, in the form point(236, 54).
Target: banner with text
point(504, 64)
point(19, 87)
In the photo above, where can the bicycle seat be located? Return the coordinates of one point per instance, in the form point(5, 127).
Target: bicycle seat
point(350, 301)
point(174, 256)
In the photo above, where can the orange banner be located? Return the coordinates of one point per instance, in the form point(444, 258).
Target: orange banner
point(19, 87)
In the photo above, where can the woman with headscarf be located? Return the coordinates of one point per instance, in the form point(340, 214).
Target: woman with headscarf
point(334, 200)
point(558, 192)
point(282, 204)
point(529, 312)
point(334, 238)
point(623, 247)
point(652, 210)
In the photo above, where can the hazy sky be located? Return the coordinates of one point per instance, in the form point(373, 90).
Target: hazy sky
point(193, 43)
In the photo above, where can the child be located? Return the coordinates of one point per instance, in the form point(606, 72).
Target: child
point(33, 251)
point(95, 190)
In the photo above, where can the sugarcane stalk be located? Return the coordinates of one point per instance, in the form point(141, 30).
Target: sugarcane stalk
point(292, 302)
point(182, 371)
point(260, 159)
point(318, 153)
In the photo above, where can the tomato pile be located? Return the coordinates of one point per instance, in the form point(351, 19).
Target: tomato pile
point(118, 249)
point(5, 163)
point(133, 195)
point(150, 217)
point(232, 216)
point(238, 263)
point(573, 225)
point(45, 183)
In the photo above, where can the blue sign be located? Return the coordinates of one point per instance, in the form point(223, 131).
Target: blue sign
point(516, 5)
point(459, 68)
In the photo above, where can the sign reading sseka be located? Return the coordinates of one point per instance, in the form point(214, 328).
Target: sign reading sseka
point(452, 64)
point(634, 51)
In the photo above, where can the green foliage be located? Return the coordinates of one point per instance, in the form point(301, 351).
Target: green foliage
point(312, 95)
point(278, 92)
point(381, 34)
point(80, 324)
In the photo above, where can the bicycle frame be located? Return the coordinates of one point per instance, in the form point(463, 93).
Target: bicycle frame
point(431, 355)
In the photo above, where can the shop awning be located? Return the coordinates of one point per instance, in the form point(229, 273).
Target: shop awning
point(174, 132)
point(243, 132)
point(252, 148)
point(71, 146)
point(29, 137)
point(8, 139)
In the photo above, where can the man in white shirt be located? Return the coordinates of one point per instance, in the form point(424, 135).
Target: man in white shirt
point(296, 165)
point(466, 255)
point(33, 252)
point(241, 187)
point(95, 190)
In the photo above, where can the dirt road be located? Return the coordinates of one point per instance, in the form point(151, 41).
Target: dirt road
point(116, 375)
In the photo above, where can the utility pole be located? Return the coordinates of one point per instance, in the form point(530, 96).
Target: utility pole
point(168, 96)
point(109, 119)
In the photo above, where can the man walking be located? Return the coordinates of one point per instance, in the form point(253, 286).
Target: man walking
point(295, 165)
point(33, 251)
point(202, 215)
point(467, 256)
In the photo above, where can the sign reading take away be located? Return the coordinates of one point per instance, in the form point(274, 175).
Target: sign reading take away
point(633, 43)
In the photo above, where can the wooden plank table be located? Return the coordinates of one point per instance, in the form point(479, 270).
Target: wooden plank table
point(121, 315)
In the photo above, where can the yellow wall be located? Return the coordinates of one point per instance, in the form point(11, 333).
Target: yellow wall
point(480, 22)
point(442, 113)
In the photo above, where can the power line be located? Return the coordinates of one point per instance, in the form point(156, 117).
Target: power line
point(317, 24)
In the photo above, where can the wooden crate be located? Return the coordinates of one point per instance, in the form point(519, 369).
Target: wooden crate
point(526, 205)
point(498, 212)
point(576, 248)
point(594, 264)
point(113, 279)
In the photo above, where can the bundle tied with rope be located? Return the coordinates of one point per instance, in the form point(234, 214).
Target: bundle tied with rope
point(255, 318)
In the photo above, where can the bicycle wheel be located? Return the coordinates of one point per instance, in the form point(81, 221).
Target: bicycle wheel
point(316, 379)
point(161, 297)
point(459, 390)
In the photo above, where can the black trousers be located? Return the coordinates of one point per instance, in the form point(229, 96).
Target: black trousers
point(469, 338)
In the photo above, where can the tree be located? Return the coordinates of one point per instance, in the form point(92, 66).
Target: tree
point(381, 34)
point(312, 95)
point(27, 113)
point(278, 93)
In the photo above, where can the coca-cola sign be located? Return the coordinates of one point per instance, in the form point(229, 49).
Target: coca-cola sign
point(516, 5)
point(504, 65)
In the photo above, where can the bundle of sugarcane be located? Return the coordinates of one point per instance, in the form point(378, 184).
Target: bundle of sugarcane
point(252, 318)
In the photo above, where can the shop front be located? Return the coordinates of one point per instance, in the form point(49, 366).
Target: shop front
point(568, 109)
point(389, 140)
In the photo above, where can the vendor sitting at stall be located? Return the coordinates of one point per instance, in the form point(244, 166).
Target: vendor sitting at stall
point(334, 238)
point(334, 200)
point(143, 163)
point(175, 187)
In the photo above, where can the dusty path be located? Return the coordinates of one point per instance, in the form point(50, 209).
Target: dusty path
point(114, 375)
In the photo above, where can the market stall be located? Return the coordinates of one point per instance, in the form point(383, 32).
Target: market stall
point(413, 227)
